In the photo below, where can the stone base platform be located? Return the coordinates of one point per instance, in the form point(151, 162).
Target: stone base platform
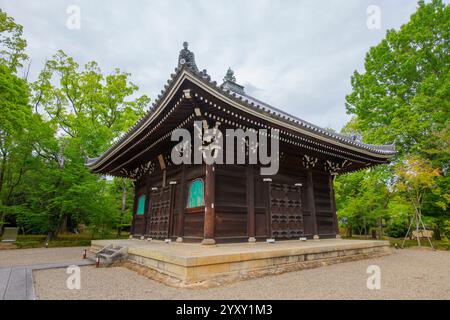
point(192, 263)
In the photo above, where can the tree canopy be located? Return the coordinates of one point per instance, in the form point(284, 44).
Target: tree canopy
point(403, 97)
point(48, 128)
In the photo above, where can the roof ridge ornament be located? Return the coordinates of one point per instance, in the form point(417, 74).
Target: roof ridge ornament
point(229, 76)
point(229, 83)
point(187, 57)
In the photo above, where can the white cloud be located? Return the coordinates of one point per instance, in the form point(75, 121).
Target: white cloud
point(296, 55)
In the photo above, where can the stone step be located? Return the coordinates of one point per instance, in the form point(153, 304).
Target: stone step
point(109, 251)
point(103, 256)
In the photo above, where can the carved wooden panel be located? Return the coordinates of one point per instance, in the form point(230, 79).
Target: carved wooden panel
point(159, 215)
point(285, 211)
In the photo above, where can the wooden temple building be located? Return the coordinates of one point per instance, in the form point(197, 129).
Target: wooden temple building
point(209, 203)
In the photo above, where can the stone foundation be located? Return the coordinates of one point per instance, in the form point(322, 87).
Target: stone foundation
point(191, 263)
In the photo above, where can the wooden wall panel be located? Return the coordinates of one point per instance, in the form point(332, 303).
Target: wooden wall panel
point(261, 223)
point(231, 186)
point(324, 213)
point(231, 201)
point(176, 210)
point(231, 224)
point(193, 224)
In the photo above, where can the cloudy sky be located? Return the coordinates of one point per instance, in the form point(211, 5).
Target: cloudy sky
point(295, 55)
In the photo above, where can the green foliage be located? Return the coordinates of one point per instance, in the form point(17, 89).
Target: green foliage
point(438, 245)
point(362, 198)
point(15, 116)
point(47, 129)
point(87, 105)
point(64, 240)
point(12, 45)
point(403, 97)
point(398, 212)
point(404, 94)
point(447, 229)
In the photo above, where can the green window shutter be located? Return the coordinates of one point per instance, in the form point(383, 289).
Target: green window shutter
point(141, 205)
point(196, 194)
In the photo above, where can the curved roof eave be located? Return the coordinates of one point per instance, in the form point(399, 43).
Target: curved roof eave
point(245, 103)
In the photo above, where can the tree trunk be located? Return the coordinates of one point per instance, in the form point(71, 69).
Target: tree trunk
point(2, 176)
point(50, 236)
point(349, 231)
point(374, 234)
point(437, 232)
point(2, 172)
point(60, 227)
point(63, 225)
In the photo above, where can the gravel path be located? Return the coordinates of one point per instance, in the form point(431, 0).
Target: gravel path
point(22, 257)
point(406, 274)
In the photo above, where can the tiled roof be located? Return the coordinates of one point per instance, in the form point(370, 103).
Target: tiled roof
point(236, 92)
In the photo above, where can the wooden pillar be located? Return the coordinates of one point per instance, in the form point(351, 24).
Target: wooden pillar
point(182, 203)
point(208, 227)
point(333, 206)
point(147, 209)
point(251, 231)
point(133, 222)
point(312, 202)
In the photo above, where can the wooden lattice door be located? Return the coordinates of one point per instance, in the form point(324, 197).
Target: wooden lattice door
point(161, 205)
point(286, 218)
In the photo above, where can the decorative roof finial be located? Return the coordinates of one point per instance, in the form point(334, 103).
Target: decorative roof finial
point(229, 76)
point(229, 82)
point(187, 58)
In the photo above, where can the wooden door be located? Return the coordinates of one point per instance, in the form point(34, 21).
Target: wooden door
point(286, 218)
point(160, 213)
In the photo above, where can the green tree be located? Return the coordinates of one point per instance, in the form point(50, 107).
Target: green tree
point(416, 177)
point(45, 137)
point(15, 116)
point(86, 104)
point(12, 44)
point(362, 199)
point(404, 94)
point(89, 110)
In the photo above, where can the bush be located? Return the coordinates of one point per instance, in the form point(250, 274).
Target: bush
point(396, 230)
point(53, 244)
point(446, 229)
point(63, 240)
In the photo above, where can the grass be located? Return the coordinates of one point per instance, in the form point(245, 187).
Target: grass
point(63, 240)
point(437, 244)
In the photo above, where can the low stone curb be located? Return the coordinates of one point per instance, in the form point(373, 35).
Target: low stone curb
point(16, 282)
